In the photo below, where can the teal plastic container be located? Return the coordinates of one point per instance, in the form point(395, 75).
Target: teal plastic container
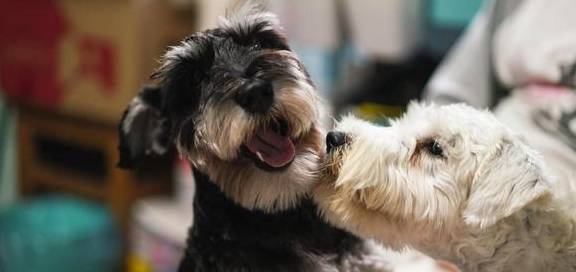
point(58, 233)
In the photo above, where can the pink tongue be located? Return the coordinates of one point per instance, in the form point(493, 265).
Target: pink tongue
point(274, 149)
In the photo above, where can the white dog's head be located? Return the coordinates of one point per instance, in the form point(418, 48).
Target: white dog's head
point(438, 169)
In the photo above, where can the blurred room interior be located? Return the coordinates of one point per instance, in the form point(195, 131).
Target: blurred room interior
point(68, 68)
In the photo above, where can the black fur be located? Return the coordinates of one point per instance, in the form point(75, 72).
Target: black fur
point(227, 237)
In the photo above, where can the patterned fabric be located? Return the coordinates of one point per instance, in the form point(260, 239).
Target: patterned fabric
point(536, 43)
point(559, 119)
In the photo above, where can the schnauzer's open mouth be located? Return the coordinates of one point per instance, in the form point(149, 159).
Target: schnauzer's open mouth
point(271, 148)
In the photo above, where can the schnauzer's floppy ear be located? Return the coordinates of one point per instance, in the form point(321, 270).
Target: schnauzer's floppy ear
point(507, 180)
point(143, 131)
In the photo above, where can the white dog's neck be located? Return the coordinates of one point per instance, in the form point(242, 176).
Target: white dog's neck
point(533, 239)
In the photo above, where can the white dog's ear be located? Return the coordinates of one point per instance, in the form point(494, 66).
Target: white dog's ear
point(507, 180)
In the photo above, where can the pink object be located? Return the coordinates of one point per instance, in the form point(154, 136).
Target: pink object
point(275, 149)
point(546, 90)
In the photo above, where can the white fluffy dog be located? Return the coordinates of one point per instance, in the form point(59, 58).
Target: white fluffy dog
point(452, 182)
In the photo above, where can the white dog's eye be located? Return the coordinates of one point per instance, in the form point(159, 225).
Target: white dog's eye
point(434, 148)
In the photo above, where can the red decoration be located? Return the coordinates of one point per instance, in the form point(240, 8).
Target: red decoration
point(30, 32)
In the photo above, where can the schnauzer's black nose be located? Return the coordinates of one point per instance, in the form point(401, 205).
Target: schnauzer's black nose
point(257, 96)
point(335, 139)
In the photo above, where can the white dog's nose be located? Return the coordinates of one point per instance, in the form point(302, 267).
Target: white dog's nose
point(335, 139)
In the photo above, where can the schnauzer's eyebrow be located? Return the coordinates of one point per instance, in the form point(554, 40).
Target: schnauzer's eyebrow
point(268, 38)
point(247, 34)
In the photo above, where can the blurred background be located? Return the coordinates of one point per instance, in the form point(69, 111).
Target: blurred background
point(68, 68)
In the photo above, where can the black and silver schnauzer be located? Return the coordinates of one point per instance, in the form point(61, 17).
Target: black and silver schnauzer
point(241, 107)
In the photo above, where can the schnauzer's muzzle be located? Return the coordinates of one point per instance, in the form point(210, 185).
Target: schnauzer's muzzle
point(256, 96)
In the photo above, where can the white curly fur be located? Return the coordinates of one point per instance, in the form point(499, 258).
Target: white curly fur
point(487, 203)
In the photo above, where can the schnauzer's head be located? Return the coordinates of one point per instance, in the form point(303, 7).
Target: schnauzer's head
point(240, 105)
point(435, 170)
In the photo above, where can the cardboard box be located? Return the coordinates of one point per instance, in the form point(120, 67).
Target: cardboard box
point(85, 57)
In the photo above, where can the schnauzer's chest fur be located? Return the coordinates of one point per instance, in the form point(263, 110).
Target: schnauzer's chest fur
point(228, 237)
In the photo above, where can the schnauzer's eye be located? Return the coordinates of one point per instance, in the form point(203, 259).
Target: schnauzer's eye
point(434, 148)
point(256, 46)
